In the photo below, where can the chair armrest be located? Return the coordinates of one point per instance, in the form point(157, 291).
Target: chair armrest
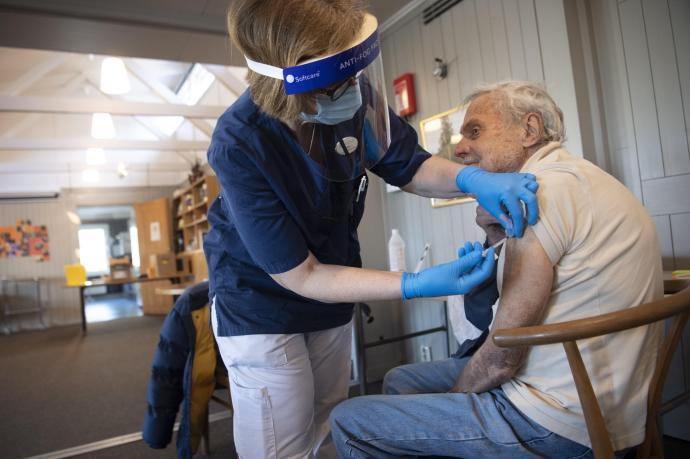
point(595, 326)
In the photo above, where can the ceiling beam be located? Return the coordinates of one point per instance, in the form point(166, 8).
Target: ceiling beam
point(29, 104)
point(31, 76)
point(109, 144)
point(31, 118)
point(230, 81)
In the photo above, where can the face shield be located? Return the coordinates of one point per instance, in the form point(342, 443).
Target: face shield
point(348, 128)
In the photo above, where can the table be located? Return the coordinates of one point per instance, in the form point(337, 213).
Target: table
point(174, 290)
point(97, 283)
point(672, 285)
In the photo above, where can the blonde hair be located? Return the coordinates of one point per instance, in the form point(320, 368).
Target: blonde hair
point(518, 98)
point(285, 33)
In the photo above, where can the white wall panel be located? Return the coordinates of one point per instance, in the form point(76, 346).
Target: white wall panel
point(531, 41)
point(516, 50)
point(669, 106)
point(558, 71)
point(499, 34)
point(464, 15)
point(641, 89)
point(486, 40)
point(680, 17)
point(451, 53)
point(667, 195)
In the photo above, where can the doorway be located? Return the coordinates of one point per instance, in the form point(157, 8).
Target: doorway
point(108, 248)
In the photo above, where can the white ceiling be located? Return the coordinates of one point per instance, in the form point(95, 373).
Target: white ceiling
point(47, 94)
point(46, 101)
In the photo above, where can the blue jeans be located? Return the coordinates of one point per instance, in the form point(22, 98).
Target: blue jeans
point(418, 417)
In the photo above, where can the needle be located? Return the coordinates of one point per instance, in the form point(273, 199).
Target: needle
point(495, 247)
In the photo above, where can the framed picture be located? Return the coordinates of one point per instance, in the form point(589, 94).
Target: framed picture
point(440, 135)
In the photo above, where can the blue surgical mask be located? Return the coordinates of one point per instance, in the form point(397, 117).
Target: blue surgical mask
point(335, 112)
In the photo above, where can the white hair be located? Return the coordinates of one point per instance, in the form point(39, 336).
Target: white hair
point(518, 98)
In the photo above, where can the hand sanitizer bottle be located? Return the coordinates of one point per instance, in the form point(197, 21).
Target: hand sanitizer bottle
point(396, 252)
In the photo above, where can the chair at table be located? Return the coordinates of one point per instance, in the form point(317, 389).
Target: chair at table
point(567, 333)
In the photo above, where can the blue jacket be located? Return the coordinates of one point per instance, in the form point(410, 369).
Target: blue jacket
point(183, 372)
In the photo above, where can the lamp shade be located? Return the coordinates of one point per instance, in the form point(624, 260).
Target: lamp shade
point(102, 126)
point(114, 78)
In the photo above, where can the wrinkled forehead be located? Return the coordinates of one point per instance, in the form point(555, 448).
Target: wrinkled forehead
point(485, 109)
point(478, 108)
point(486, 104)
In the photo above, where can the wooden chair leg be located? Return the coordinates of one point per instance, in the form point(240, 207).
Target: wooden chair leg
point(596, 426)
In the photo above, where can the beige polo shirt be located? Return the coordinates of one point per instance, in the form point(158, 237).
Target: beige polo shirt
point(606, 258)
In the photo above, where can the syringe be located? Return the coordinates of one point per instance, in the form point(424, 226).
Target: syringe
point(495, 247)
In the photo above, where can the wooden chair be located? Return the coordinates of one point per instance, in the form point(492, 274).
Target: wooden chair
point(567, 333)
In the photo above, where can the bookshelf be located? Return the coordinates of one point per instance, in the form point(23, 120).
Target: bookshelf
point(190, 209)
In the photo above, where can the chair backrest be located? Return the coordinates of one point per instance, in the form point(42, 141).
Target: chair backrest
point(567, 333)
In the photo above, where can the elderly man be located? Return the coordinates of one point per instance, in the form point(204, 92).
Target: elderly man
point(594, 250)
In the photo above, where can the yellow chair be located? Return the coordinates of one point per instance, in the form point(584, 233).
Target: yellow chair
point(75, 275)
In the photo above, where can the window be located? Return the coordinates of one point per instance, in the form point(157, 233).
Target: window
point(134, 244)
point(93, 249)
point(195, 84)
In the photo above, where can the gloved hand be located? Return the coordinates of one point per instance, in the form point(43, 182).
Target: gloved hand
point(455, 278)
point(501, 194)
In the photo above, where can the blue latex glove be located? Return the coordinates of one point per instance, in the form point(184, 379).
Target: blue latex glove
point(455, 278)
point(500, 195)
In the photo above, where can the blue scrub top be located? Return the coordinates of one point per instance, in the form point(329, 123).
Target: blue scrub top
point(272, 209)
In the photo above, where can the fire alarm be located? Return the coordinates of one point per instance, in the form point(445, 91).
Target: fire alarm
point(405, 103)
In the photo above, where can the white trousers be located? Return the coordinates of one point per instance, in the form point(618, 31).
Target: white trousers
point(283, 388)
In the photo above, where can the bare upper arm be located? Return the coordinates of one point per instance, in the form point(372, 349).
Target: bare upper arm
point(527, 281)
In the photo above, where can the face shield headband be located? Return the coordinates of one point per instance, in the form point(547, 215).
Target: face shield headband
point(324, 71)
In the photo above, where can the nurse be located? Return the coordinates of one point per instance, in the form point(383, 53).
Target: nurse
point(292, 156)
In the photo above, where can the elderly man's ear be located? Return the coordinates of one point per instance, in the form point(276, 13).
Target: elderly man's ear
point(534, 130)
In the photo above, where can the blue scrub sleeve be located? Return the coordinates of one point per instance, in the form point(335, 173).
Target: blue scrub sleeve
point(404, 156)
point(267, 230)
